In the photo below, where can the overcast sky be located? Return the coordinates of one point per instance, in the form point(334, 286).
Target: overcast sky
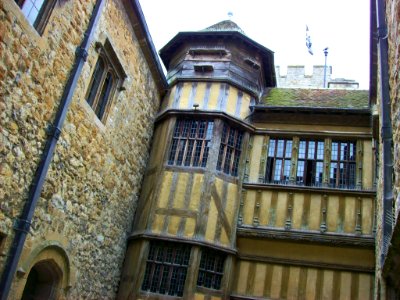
point(279, 25)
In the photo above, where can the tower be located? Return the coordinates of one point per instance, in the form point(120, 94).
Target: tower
point(251, 191)
point(191, 194)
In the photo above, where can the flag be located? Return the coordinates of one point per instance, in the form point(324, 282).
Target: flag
point(308, 41)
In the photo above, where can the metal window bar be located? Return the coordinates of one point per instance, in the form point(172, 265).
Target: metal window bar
point(310, 163)
point(278, 161)
point(211, 269)
point(230, 150)
point(343, 165)
point(190, 143)
point(166, 268)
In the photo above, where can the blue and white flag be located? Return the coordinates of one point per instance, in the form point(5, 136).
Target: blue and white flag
point(308, 41)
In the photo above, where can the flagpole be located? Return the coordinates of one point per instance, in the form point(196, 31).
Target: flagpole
point(326, 56)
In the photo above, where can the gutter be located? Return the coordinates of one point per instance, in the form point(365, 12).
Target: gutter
point(326, 110)
point(386, 132)
point(23, 223)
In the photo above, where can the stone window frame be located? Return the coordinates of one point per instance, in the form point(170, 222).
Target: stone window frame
point(211, 269)
point(43, 13)
point(167, 264)
point(100, 92)
point(230, 150)
point(191, 142)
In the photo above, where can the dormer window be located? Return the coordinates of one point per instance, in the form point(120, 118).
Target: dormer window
point(208, 51)
point(252, 63)
point(203, 68)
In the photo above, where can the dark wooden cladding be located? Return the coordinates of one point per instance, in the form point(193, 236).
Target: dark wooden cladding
point(220, 59)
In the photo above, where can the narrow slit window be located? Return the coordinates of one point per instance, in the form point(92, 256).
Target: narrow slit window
point(343, 165)
point(278, 161)
point(107, 77)
point(230, 150)
point(310, 163)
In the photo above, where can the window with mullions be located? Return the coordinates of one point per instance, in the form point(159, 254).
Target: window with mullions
point(230, 150)
point(310, 163)
point(107, 76)
point(191, 143)
point(278, 161)
point(166, 268)
point(37, 12)
point(343, 165)
point(211, 269)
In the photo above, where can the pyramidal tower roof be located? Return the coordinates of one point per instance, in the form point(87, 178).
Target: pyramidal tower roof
point(226, 25)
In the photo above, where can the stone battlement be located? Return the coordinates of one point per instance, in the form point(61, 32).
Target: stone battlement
point(296, 77)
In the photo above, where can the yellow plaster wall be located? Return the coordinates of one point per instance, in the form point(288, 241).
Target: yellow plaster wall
point(199, 98)
point(211, 221)
point(341, 212)
point(274, 281)
point(302, 252)
point(255, 158)
point(244, 109)
point(368, 165)
point(214, 93)
point(185, 93)
point(231, 101)
point(200, 93)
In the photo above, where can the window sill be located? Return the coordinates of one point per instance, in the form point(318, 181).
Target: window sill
point(209, 291)
point(316, 189)
point(89, 110)
point(188, 169)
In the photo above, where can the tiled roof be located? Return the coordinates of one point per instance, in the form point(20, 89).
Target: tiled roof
point(226, 25)
point(319, 98)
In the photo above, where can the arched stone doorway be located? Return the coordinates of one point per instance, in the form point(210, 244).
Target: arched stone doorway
point(45, 272)
point(43, 281)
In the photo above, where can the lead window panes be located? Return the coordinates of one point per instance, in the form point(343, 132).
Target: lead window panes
point(191, 143)
point(37, 12)
point(230, 150)
point(166, 268)
point(310, 163)
point(343, 165)
point(211, 269)
point(106, 78)
point(278, 161)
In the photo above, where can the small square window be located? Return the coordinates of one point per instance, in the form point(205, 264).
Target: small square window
point(107, 77)
point(37, 12)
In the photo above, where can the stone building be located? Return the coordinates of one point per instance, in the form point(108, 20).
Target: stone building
point(385, 101)
point(212, 183)
point(77, 238)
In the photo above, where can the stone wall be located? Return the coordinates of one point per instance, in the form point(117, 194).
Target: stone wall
point(295, 77)
point(89, 197)
point(391, 265)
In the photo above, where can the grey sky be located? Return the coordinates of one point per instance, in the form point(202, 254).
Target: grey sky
point(280, 25)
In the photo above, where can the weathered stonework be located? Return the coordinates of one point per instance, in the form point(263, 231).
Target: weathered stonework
point(89, 197)
point(387, 275)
